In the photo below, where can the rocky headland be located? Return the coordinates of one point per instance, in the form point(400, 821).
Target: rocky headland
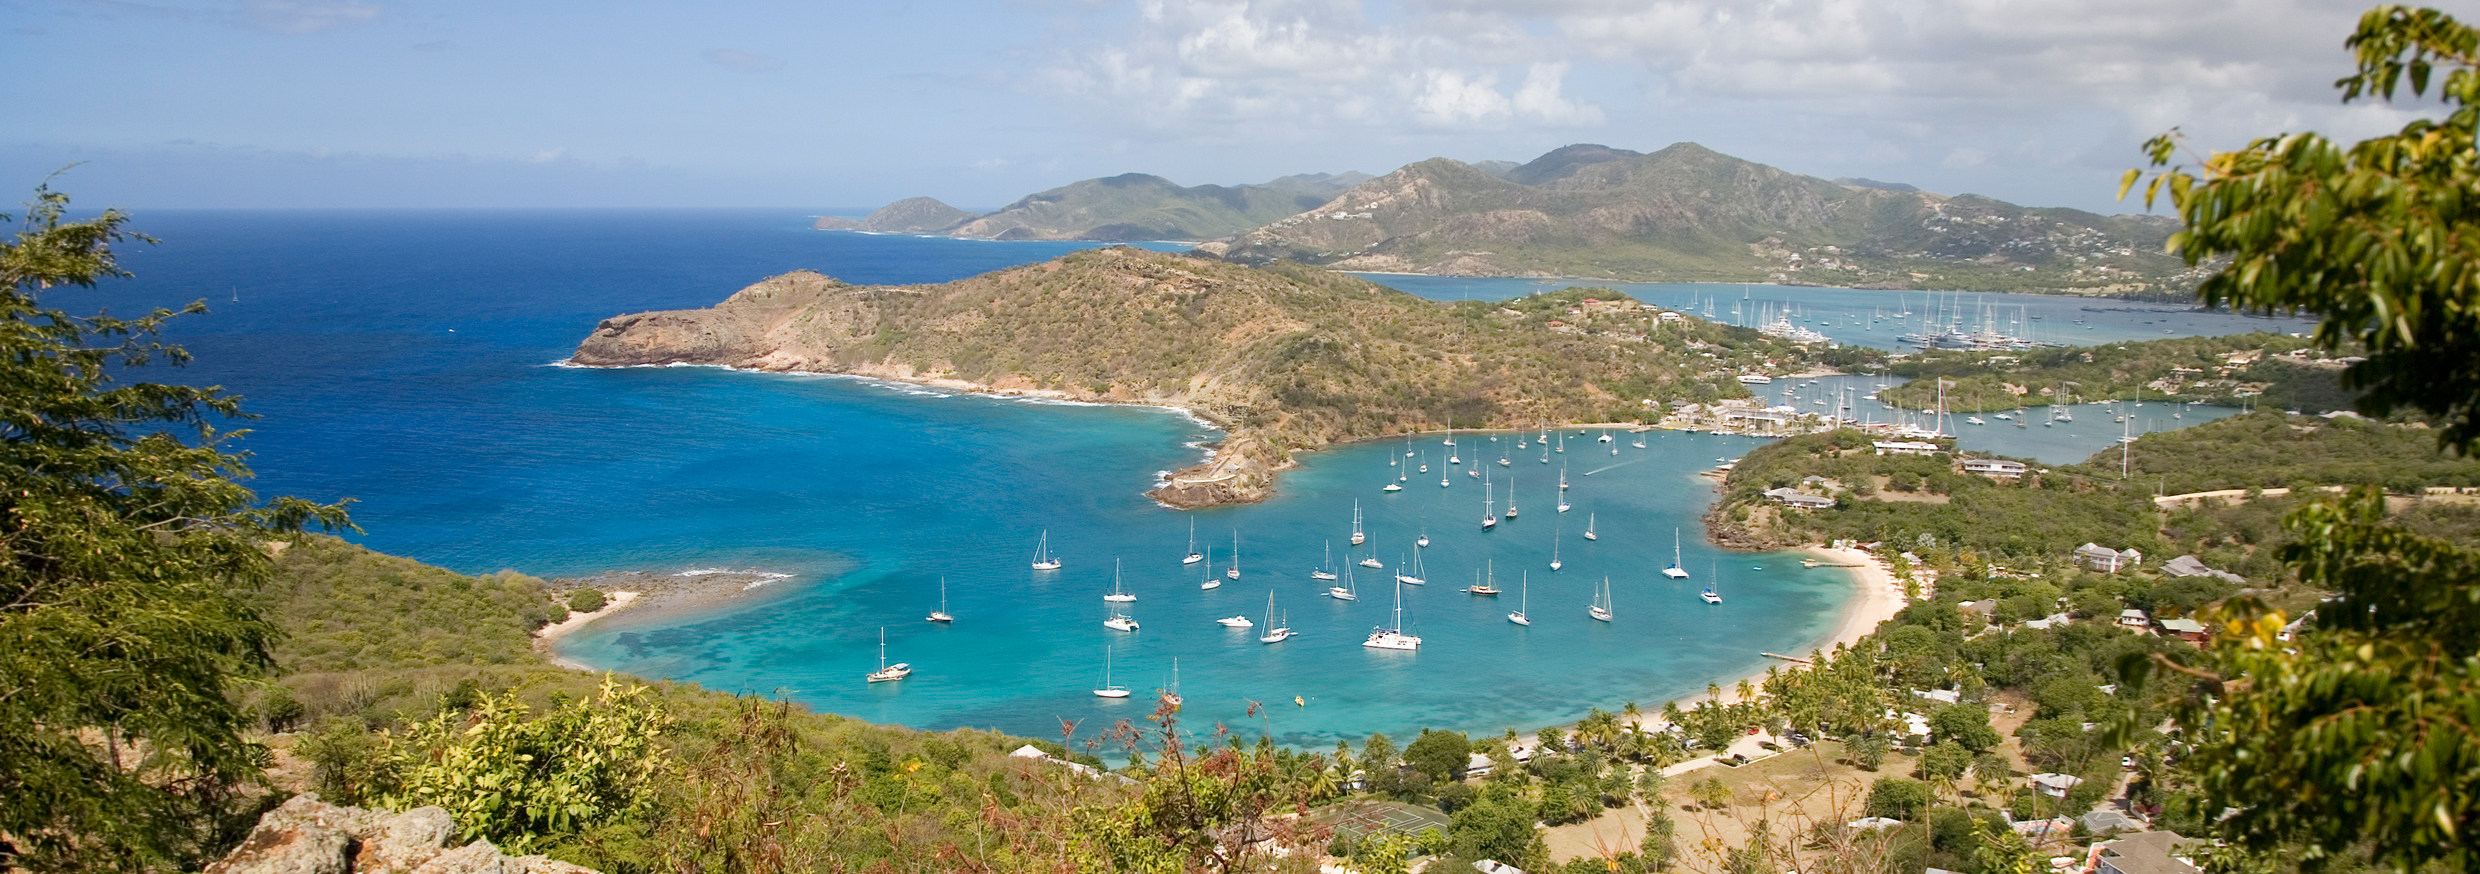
point(1284, 359)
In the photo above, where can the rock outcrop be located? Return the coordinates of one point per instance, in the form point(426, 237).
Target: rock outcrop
point(310, 836)
point(1241, 472)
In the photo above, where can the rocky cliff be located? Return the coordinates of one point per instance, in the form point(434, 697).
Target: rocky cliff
point(309, 836)
point(1285, 359)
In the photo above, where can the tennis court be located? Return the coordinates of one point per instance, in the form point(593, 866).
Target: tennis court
point(1367, 817)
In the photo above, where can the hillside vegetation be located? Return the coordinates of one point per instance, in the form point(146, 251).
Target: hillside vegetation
point(1687, 213)
point(2265, 369)
point(1135, 206)
point(1288, 357)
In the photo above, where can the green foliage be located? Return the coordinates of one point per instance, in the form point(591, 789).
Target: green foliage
point(519, 780)
point(1440, 755)
point(2376, 238)
point(586, 600)
point(1965, 724)
point(2191, 369)
point(2271, 450)
point(126, 633)
point(345, 608)
point(1898, 798)
point(1497, 827)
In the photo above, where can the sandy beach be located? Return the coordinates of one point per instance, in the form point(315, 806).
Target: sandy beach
point(651, 594)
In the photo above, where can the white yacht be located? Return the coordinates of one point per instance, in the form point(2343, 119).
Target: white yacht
point(1193, 556)
point(1588, 527)
point(1345, 592)
point(1601, 602)
point(1108, 690)
point(1274, 633)
point(940, 615)
point(1042, 558)
point(1328, 571)
point(1119, 590)
point(1413, 576)
point(1524, 600)
point(1235, 622)
point(1357, 537)
point(886, 672)
point(1393, 638)
point(1675, 571)
point(1234, 573)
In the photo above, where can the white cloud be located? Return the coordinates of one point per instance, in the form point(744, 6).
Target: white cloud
point(746, 62)
point(303, 16)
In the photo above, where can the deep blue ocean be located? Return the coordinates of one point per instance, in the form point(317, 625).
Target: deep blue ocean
point(407, 360)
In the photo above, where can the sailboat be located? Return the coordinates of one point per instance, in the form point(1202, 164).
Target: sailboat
point(1711, 574)
point(1562, 476)
point(1042, 558)
point(1119, 590)
point(886, 672)
point(1345, 592)
point(1392, 487)
point(1412, 577)
point(1193, 556)
point(1605, 438)
point(1640, 441)
point(1511, 497)
point(1503, 460)
point(1424, 461)
point(1545, 448)
point(1327, 572)
point(1554, 552)
point(1234, 573)
point(1562, 443)
point(1357, 537)
point(1274, 633)
point(1489, 517)
point(1393, 638)
point(940, 615)
point(1524, 600)
point(1119, 622)
point(1373, 562)
point(1588, 527)
point(1424, 541)
point(1108, 690)
point(1675, 571)
point(1601, 602)
point(1486, 588)
point(1709, 595)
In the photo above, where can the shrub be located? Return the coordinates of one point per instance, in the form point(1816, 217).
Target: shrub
point(586, 600)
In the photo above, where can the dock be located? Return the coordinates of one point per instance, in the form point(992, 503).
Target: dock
point(1792, 659)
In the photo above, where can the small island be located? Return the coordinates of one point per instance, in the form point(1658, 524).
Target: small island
point(1285, 358)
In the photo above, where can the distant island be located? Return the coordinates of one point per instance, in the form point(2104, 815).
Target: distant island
point(1284, 358)
point(1681, 214)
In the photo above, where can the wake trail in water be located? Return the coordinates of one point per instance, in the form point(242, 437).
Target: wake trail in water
point(1600, 469)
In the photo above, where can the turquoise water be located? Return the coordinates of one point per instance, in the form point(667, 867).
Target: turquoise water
point(2089, 428)
point(404, 360)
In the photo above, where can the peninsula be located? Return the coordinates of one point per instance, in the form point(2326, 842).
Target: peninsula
point(1285, 358)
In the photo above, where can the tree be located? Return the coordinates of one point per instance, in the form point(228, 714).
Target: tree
point(1966, 725)
point(125, 622)
point(515, 779)
point(1898, 798)
point(1496, 827)
point(1944, 763)
point(1439, 754)
point(2356, 733)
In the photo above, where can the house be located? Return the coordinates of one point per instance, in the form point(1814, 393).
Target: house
point(1494, 866)
point(2054, 620)
point(1905, 447)
point(2111, 819)
point(2145, 853)
point(2188, 630)
point(1479, 765)
point(1799, 500)
point(1987, 607)
point(1867, 823)
point(2191, 566)
point(2094, 556)
point(2055, 785)
point(2039, 830)
point(1994, 468)
point(2134, 618)
point(1942, 696)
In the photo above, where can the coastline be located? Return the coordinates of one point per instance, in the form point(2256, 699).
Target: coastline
point(651, 597)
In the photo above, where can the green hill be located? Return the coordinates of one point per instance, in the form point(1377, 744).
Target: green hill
point(1135, 206)
point(1286, 358)
point(2265, 369)
point(1687, 213)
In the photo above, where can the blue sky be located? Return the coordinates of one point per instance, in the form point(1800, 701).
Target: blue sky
point(816, 105)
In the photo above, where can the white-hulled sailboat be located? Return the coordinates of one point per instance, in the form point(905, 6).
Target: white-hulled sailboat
point(1358, 538)
point(1489, 514)
point(1413, 576)
point(1393, 638)
point(1234, 573)
point(1524, 600)
point(1373, 562)
point(886, 672)
point(1588, 527)
point(1328, 572)
point(1193, 556)
point(1675, 571)
point(1274, 633)
point(1554, 549)
point(1108, 690)
point(1042, 558)
point(1503, 451)
point(940, 615)
point(1118, 621)
point(1424, 541)
point(1601, 602)
point(1511, 497)
point(1345, 592)
point(1119, 589)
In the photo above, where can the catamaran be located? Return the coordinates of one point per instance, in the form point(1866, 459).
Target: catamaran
point(1327, 572)
point(1108, 690)
point(1193, 556)
point(1357, 537)
point(1709, 595)
point(886, 672)
point(1042, 558)
point(940, 615)
point(1345, 592)
point(1524, 600)
point(1588, 527)
point(1412, 577)
point(1274, 633)
point(1234, 573)
point(1120, 622)
point(1393, 638)
point(1675, 571)
point(1601, 602)
point(1605, 438)
point(1119, 590)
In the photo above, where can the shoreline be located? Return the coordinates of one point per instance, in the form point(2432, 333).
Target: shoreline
point(651, 596)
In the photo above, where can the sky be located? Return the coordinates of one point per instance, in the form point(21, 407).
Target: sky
point(834, 105)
